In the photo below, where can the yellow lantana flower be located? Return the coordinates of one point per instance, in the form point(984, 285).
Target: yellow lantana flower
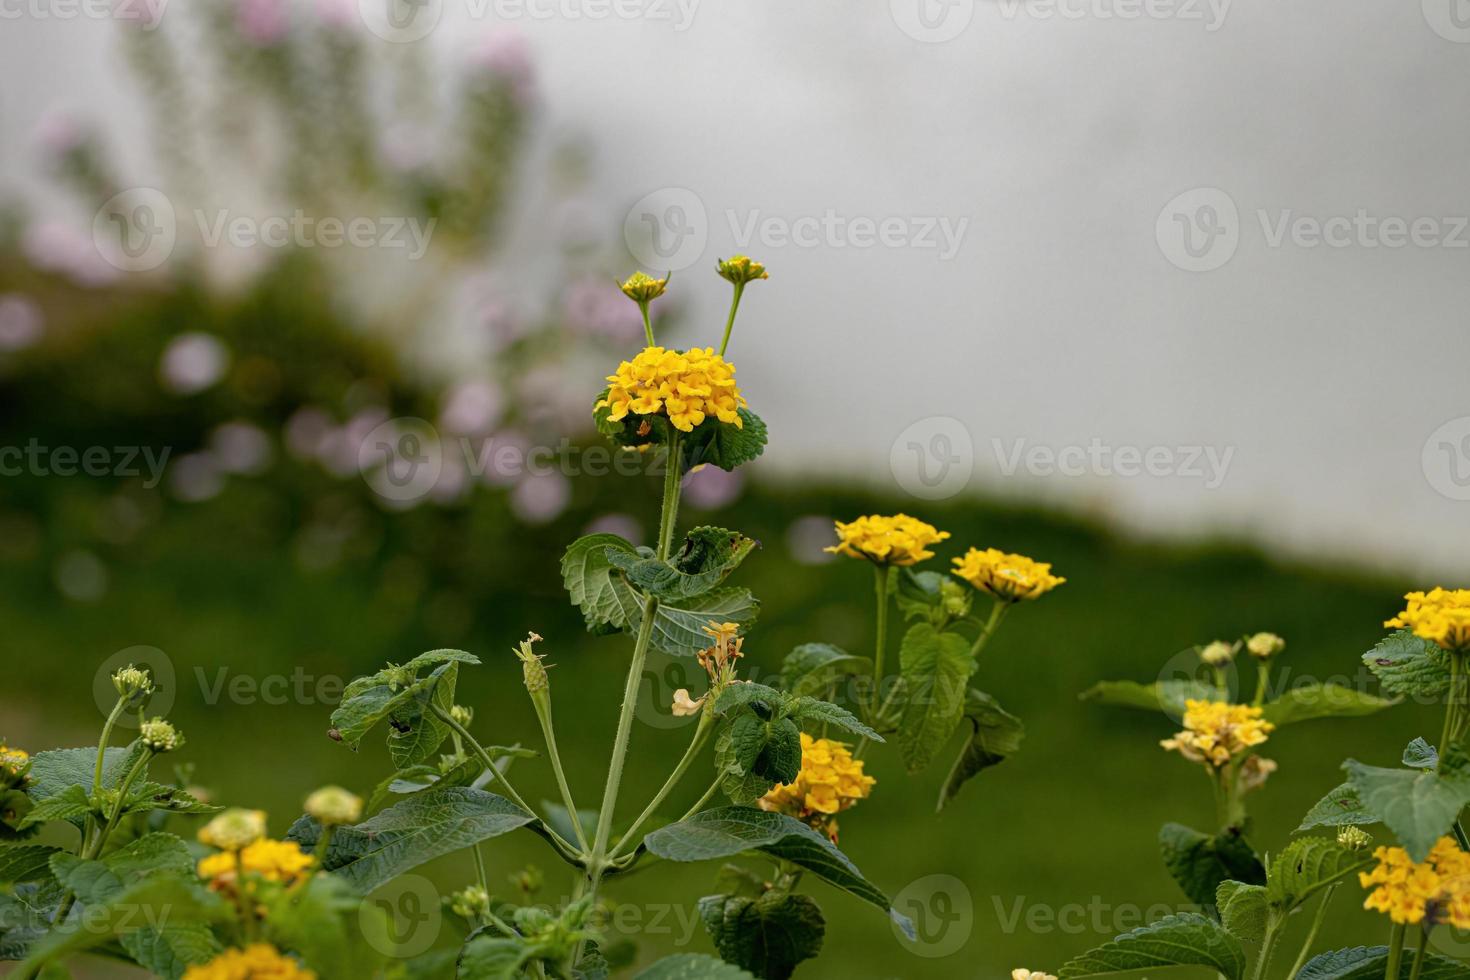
point(1006, 576)
point(686, 388)
point(274, 860)
point(896, 540)
point(1437, 889)
point(640, 287)
point(258, 961)
point(830, 781)
point(1217, 731)
point(1441, 615)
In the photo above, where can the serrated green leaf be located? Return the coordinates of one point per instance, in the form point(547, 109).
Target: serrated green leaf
point(723, 832)
point(415, 732)
point(594, 584)
point(368, 701)
point(72, 804)
point(995, 735)
point(1419, 807)
point(769, 935)
point(418, 829)
point(1166, 696)
point(1186, 939)
point(707, 557)
point(324, 920)
point(678, 630)
point(1371, 962)
point(146, 797)
point(101, 880)
point(26, 862)
point(1409, 666)
point(1199, 862)
point(54, 771)
point(1310, 701)
point(739, 784)
point(493, 957)
point(936, 670)
point(813, 713)
point(169, 950)
point(1419, 754)
point(716, 443)
point(1307, 865)
point(1339, 808)
point(1243, 910)
point(813, 667)
point(770, 749)
point(692, 966)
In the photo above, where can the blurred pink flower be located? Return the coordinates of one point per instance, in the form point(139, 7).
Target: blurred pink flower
point(305, 431)
point(195, 478)
point(193, 362)
point(507, 54)
point(500, 460)
point(472, 408)
point(711, 488)
point(21, 323)
point(262, 22)
point(540, 498)
point(599, 308)
point(623, 525)
point(53, 246)
point(338, 14)
point(240, 447)
point(58, 133)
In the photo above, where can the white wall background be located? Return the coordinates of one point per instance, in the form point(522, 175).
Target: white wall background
point(1061, 319)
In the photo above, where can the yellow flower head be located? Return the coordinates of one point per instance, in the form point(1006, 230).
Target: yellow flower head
point(258, 961)
point(643, 288)
point(1436, 889)
point(896, 540)
point(1441, 615)
point(233, 829)
point(830, 781)
point(741, 269)
point(274, 860)
point(1005, 576)
point(685, 388)
point(15, 764)
point(1217, 731)
point(1264, 646)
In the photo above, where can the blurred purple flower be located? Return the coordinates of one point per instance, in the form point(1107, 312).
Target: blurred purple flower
point(540, 498)
point(338, 14)
point(339, 449)
point(507, 55)
point(262, 22)
point(305, 431)
point(453, 482)
point(192, 362)
point(623, 525)
point(53, 246)
point(58, 133)
point(710, 488)
point(240, 447)
point(472, 408)
point(21, 323)
point(598, 308)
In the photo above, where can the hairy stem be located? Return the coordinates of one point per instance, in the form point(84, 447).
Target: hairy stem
point(543, 712)
point(1301, 958)
point(880, 589)
point(1268, 946)
point(701, 735)
point(1395, 952)
point(1421, 951)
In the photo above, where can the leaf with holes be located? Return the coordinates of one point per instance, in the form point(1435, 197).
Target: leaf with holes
point(1409, 666)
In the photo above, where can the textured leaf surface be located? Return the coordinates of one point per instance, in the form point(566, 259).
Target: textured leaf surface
point(1200, 862)
point(1186, 939)
point(1310, 701)
point(1409, 666)
point(936, 672)
point(1309, 864)
point(995, 735)
point(1371, 962)
point(594, 584)
point(692, 966)
point(813, 667)
point(1418, 806)
point(1339, 808)
point(1243, 909)
point(769, 936)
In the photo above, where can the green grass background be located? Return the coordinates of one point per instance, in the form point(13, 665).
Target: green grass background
point(1064, 833)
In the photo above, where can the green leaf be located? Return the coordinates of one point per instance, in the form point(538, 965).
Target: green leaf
point(1371, 962)
point(101, 880)
point(995, 735)
point(1419, 807)
point(717, 444)
point(493, 957)
point(692, 966)
point(708, 555)
point(769, 936)
point(72, 804)
point(678, 630)
point(814, 667)
point(1409, 666)
point(170, 949)
point(1311, 701)
point(1200, 862)
point(593, 583)
point(325, 921)
point(54, 771)
point(936, 669)
point(723, 832)
point(1243, 910)
point(770, 749)
point(26, 862)
point(146, 797)
point(813, 713)
point(1307, 865)
point(1419, 754)
point(1340, 808)
point(395, 690)
point(415, 732)
point(420, 828)
point(1186, 939)
point(737, 782)
point(1165, 696)
point(467, 772)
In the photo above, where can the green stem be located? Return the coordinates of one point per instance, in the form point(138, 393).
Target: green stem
point(1421, 952)
point(1263, 681)
point(701, 735)
point(94, 847)
point(1268, 946)
point(1451, 711)
point(1301, 958)
point(668, 515)
point(647, 323)
point(485, 759)
point(997, 613)
point(699, 804)
point(323, 843)
point(112, 717)
point(730, 321)
point(880, 588)
point(1395, 952)
point(543, 712)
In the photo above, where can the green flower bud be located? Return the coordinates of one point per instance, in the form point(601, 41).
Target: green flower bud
point(741, 269)
point(1354, 838)
point(333, 806)
point(532, 669)
point(234, 829)
point(472, 904)
point(1219, 653)
point(462, 715)
point(1264, 646)
point(528, 881)
point(642, 288)
point(160, 736)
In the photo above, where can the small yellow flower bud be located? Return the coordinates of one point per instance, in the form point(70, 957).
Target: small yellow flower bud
point(132, 682)
point(643, 288)
point(234, 829)
point(472, 903)
point(741, 269)
point(1264, 646)
point(334, 806)
point(1354, 838)
point(532, 669)
point(462, 715)
point(160, 736)
point(13, 761)
point(1219, 653)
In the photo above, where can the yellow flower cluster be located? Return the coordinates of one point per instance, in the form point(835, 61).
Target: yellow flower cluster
point(14, 764)
point(687, 388)
point(1006, 576)
point(1441, 615)
point(258, 961)
point(1217, 731)
point(896, 540)
point(273, 860)
point(1437, 888)
point(830, 781)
